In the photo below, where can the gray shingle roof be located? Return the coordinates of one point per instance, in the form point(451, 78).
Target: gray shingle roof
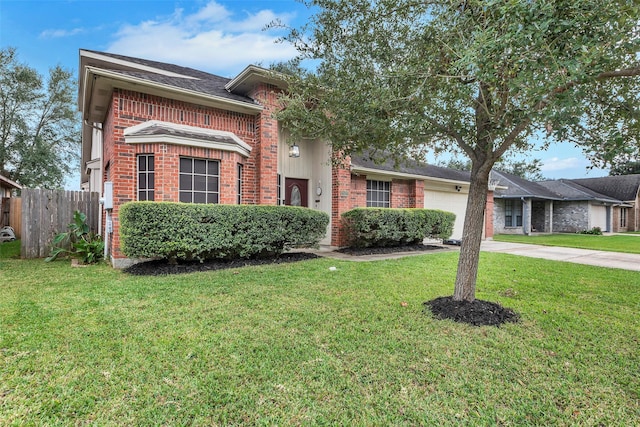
point(194, 80)
point(411, 167)
point(569, 190)
point(517, 187)
point(623, 187)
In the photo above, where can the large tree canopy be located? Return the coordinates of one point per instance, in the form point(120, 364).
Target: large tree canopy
point(478, 77)
point(39, 130)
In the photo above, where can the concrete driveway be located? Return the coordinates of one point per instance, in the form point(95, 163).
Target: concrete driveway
point(578, 256)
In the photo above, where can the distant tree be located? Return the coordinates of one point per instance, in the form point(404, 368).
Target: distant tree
point(39, 129)
point(478, 77)
point(626, 168)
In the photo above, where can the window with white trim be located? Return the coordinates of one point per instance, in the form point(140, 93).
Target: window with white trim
point(199, 180)
point(378, 194)
point(146, 177)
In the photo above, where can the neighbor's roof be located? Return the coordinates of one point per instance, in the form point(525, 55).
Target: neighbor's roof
point(623, 187)
point(9, 183)
point(569, 190)
point(512, 186)
point(408, 167)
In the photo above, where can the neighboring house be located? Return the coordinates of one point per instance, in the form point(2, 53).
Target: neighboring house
point(162, 132)
point(563, 206)
point(7, 187)
point(626, 216)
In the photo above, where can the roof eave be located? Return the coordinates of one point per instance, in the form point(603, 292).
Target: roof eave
point(403, 175)
point(253, 75)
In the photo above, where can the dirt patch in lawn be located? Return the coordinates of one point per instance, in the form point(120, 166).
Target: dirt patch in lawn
point(477, 313)
point(163, 267)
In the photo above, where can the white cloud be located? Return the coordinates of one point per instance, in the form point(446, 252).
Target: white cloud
point(557, 164)
point(53, 34)
point(211, 39)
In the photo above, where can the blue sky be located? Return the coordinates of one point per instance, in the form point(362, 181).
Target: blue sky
point(221, 37)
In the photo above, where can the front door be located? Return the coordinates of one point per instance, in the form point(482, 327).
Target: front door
point(295, 193)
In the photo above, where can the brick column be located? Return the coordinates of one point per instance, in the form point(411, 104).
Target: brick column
point(488, 216)
point(340, 201)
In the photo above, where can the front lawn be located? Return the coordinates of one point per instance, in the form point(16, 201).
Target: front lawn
point(613, 243)
point(299, 344)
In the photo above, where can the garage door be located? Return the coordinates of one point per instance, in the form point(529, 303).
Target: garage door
point(450, 202)
point(598, 217)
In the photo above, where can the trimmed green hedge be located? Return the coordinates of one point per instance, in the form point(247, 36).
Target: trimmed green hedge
point(382, 227)
point(179, 231)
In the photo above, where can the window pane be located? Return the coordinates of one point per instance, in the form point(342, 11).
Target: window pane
point(212, 183)
point(212, 198)
point(151, 180)
point(151, 195)
point(200, 166)
point(185, 182)
point(212, 168)
point(200, 183)
point(142, 163)
point(185, 197)
point(199, 197)
point(150, 163)
point(142, 181)
point(186, 165)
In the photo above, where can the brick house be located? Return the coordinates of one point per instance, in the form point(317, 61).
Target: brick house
point(163, 132)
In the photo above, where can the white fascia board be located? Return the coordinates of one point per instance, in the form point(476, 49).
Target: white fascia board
point(255, 72)
point(216, 100)
point(379, 172)
point(129, 64)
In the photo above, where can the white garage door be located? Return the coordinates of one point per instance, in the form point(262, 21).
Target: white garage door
point(450, 202)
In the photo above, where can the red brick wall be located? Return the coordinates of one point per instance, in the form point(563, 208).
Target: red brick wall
point(340, 201)
point(267, 146)
point(130, 108)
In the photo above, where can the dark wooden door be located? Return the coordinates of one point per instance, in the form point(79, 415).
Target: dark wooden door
point(296, 192)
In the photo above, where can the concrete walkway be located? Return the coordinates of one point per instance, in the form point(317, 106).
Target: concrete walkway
point(557, 253)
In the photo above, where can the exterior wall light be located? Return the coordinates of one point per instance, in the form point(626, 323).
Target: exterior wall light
point(294, 151)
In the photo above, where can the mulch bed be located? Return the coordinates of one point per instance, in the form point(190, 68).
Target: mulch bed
point(477, 313)
point(162, 267)
point(390, 250)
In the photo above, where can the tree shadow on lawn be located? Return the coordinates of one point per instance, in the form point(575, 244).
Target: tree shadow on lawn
point(477, 313)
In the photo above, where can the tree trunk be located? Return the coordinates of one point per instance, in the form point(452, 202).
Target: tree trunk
point(465, 287)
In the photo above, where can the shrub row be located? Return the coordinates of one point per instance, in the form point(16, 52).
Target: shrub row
point(382, 227)
point(178, 231)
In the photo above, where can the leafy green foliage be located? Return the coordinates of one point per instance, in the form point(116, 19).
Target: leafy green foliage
point(79, 242)
point(481, 78)
point(379, 227)
point(625, 168)
point(40, 131)
point(178, 231)
point(596, 231)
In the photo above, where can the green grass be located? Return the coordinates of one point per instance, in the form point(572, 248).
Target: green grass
point(298, 344)
point(10, 249)
point(613, 243)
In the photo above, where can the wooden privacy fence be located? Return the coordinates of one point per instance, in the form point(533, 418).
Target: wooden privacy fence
point(46, 213)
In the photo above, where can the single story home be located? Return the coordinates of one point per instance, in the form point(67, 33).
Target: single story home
point(157, 131)
point(565, 205)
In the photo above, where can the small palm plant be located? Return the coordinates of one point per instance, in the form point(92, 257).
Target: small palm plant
point(79, 242)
